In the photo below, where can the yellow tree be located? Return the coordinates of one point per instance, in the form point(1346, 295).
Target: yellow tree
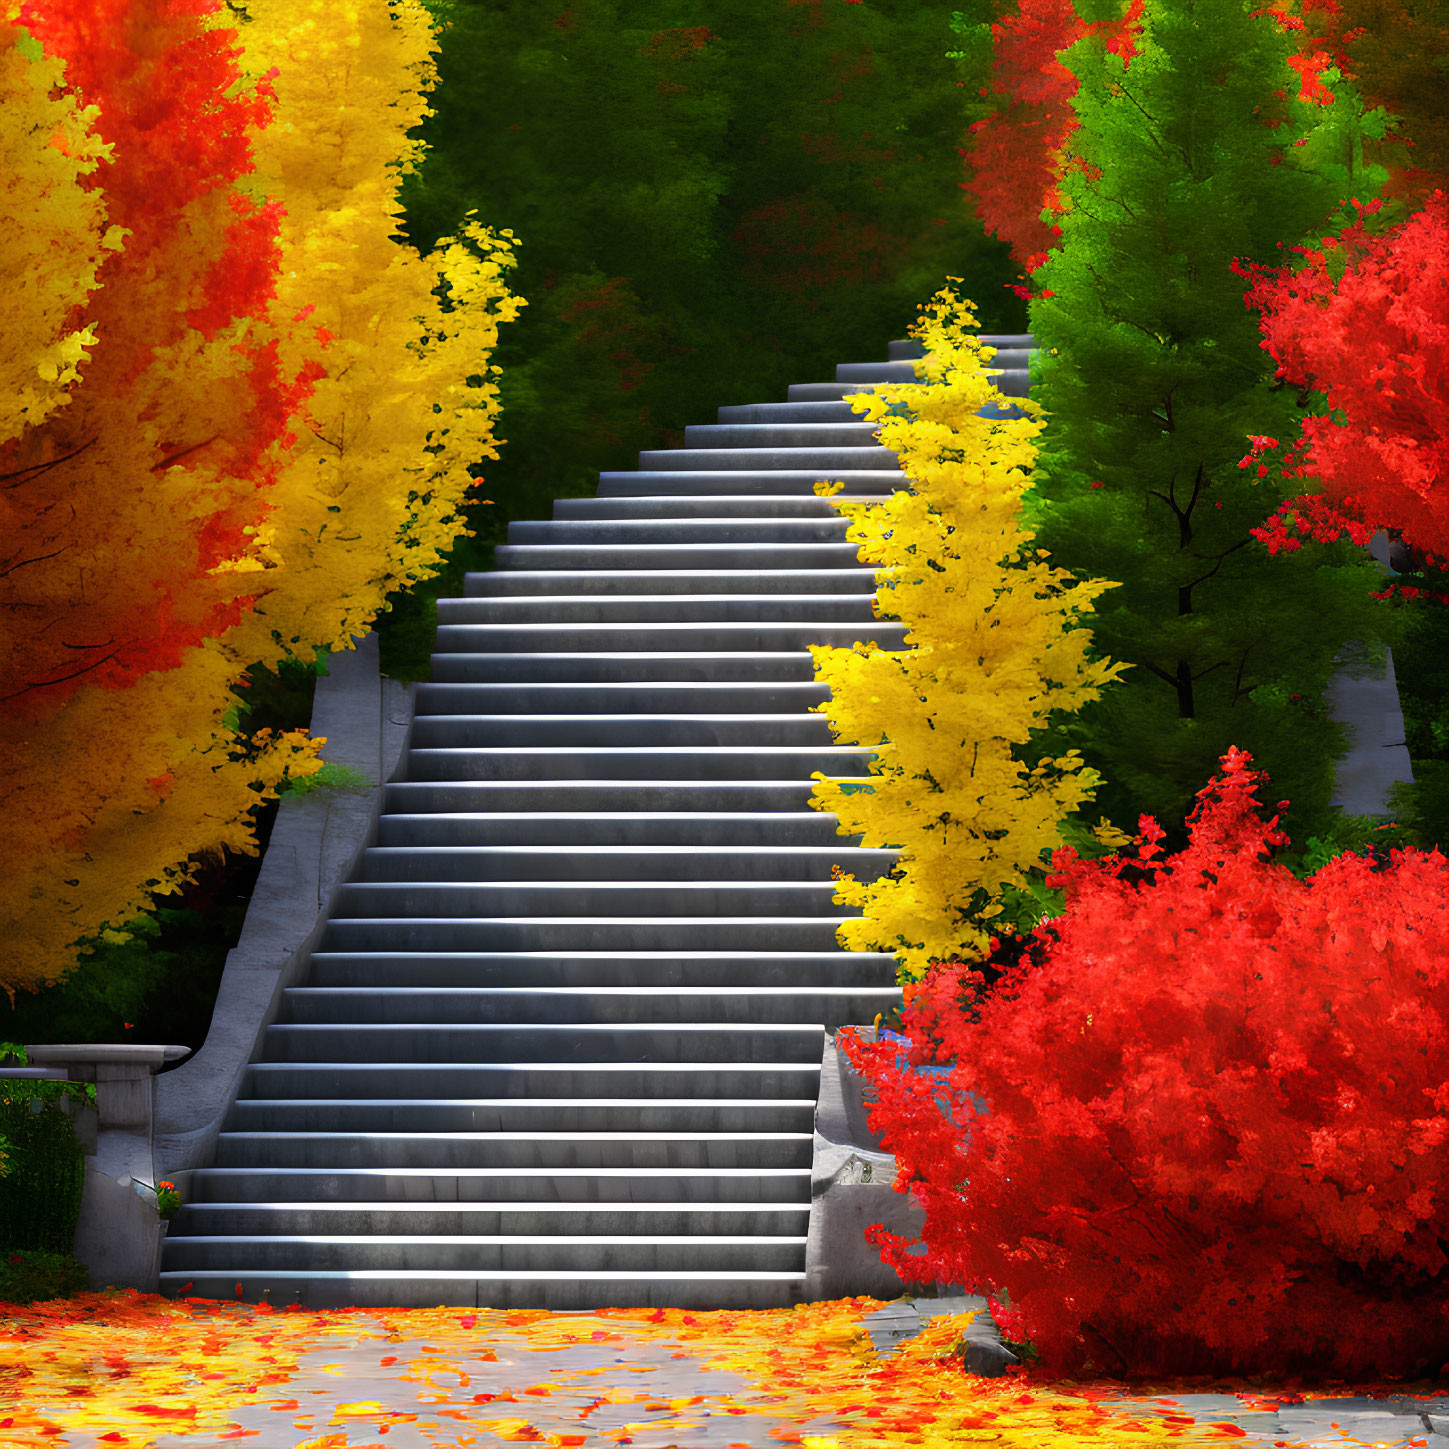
point(368, 494)
point(275, 430)
point(990, 654)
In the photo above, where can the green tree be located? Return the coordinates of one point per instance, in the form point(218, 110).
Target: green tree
point(1153, 381)
point(713, 201)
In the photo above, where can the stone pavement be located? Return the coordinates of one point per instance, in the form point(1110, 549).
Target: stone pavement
point(1385, 1423)
point(609, 1388)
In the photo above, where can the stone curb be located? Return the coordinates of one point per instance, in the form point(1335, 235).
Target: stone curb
point(316, 841)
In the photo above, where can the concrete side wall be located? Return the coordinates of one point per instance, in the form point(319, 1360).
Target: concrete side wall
point(315, 843)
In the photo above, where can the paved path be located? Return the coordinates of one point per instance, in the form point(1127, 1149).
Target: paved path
point(400, 1380)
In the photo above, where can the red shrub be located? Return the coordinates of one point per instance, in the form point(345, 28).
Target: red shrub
point(1217, 1105)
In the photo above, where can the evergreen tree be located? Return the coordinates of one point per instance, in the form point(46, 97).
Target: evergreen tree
point(1154, 382)
point(712, 202)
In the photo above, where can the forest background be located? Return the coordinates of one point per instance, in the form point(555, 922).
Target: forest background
point(711, 201)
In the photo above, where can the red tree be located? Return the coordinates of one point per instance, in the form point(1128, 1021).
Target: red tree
point(177, 410)
point(1376, 344)
point(1215, 1111)
point(1015, 160)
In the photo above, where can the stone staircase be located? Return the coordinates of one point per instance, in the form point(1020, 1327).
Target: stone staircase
point(561, 1044)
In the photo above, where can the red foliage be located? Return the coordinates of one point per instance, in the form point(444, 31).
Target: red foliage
point(1377, 345)
point(1216, 1111)
point(200, 258)
point(1015, 162)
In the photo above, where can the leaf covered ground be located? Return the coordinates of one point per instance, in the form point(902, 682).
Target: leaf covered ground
point(123, 1368)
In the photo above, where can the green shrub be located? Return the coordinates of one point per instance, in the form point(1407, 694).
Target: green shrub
point(44, 1170)
point(27, 1276)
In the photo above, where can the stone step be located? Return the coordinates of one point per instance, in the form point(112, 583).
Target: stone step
point(737, 506)
point(664, 608)
point(832, 407)
point(767, 482)
point(856, 579)
point(634, 762)
point(737, 1005)
point(481, 1254)
point(367, 1081)
point(767, 829)
point(639, 557)
point(508, 1151)
point(505, 1219)
point(583, 933)
point(665, 636)
point(771, 460)
point(834, 969)
point(455, 731)
point(567, 1290)
point(675, 666)
point(562, 1043)
point(606, 696)
point(854, 432)
point(514, 1114)
point(424, 797)
point(582, 1185)
point(619, 862)
point(616, 532)
point(902, 348)
point(447, 899)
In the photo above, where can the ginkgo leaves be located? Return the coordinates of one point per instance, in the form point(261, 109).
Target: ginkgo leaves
point(989, 654)
point(52, 234)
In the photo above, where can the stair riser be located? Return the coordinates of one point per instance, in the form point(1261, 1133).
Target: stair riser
point(483, 1221)
point(613, 828)
point(792, 482)
point(341, 1116)
point(903, 349)
point(470, 1290)
point(483, 765)
point(584, 1187)
point(474, 899)
point(441, 732)
point(1011, 384)
point(745, 863)
point(687, 934)
point(605, 579)
point(622, 697)
point(612, 557)
point(424, 798)
point(482, 1044)
point(184, 1254)
point(654, 531)
point(784, 667)
point(855, 458)
point(712, 636)
point(771, 434)
point(819, 405)
point(266, 1151)
point(722, 505)
point(850, 969)
point(666, 609)
point(737, 1007)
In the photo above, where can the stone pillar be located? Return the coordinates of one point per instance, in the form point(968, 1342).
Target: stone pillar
point(118, 1235)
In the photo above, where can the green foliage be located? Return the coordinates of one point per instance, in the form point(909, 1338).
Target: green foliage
point(160, 986)
point(329, 777)
point(1153, 382)
point(40, 1193)
point(30, 1276)
point(713, 202)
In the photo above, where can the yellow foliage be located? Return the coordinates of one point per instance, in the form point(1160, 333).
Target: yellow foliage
point(121, 792)
point(990, 653)
point(52, 234)
point(367, 497)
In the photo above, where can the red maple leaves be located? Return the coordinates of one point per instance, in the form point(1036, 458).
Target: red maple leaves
point(1215, 1111)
